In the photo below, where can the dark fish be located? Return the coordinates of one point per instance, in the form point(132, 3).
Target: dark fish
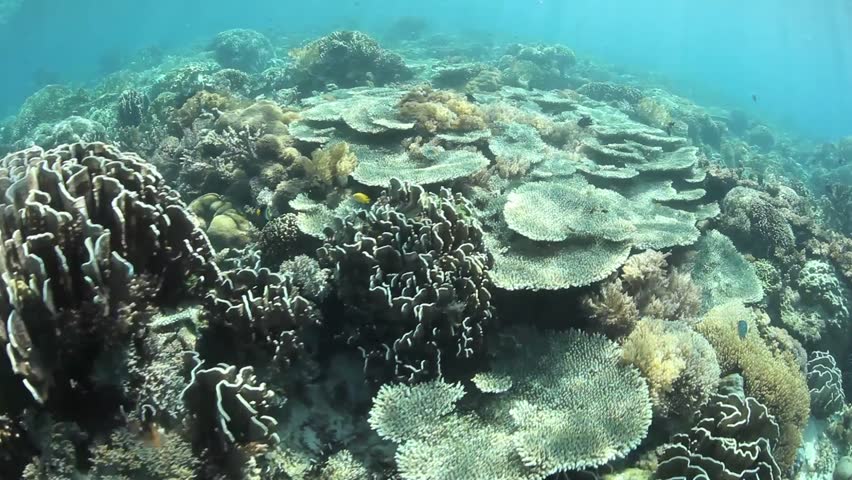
point(742, 328)
point(670, 127)
point(753, 97)
point(470, 98)
point(585, 121)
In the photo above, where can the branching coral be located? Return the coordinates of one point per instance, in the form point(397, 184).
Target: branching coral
point(773, 378)
point(440, 110)
point(646, 287)
point(679, 364)
point(126, 455)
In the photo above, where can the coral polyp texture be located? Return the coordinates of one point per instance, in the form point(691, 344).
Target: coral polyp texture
point(91, 238)
point(733, 439)
point(411, 272)
point(560, 402)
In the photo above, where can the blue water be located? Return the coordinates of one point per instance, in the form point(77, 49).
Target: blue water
point(796, 56)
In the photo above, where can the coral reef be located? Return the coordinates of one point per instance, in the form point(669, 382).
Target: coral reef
point(331, 165)
point(411, 271)
point(529, 425)
point(825, 384)
point(224, 224)
point(773, 378)
point(280, 239)
point(91, 237)
point(537, 66)
point(722, 273)
point(242, 49)
point(679, 364)
point(646, 287)
point(733, 439)
point(749, 217)
point(347, 59)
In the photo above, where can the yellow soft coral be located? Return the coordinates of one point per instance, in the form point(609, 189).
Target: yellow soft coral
point(680, 365)
point(773, 378)
point(653, 113)
point(440, 110)
point(331, 164)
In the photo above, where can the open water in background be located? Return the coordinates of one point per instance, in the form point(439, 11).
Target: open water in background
point(795, 55)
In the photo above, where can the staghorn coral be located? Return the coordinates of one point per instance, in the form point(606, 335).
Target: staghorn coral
point(332, 164)
point(411, 272)
point(646, 287)
point(825, 384)
point(679, 364)
point(92, 238)
point(554, 402)
point(124, 454)
point(436, 111)
point(773, 378)
point(346, 59)
point(242, 49)
point(733, 439)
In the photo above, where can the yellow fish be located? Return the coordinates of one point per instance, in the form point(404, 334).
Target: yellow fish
point(361, 198)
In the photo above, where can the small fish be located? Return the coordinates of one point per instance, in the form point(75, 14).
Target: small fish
point(670, 127)
point(585, 121)
point(742, 328)
point(470, 98)
point(754, 97)
point(361, 198)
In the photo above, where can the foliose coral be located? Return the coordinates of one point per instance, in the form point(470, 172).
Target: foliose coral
point(733, 439)
point(92, 237)
point(261, 315)
point(242, 49)
point(227, 408)
point(411, 272)
point(825, 384)
point(773, 378)
point(555, 402)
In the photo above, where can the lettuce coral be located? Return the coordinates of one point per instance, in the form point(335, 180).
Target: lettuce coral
point(773, 378)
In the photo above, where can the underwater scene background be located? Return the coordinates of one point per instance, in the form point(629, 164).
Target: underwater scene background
point(517, 240)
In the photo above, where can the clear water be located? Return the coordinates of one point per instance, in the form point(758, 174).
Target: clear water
point(795, 56)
